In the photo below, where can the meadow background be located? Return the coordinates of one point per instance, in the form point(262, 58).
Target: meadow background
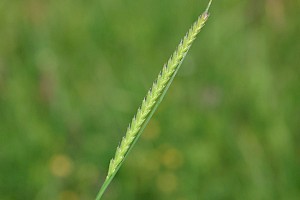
point(73, 73)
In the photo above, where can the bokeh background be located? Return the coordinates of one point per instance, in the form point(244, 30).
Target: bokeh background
point(73, 73)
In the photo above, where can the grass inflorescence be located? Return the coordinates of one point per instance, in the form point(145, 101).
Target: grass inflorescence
point(153, 99)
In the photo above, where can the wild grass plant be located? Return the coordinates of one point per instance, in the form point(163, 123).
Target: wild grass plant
point(230, 128)
point(153, 98)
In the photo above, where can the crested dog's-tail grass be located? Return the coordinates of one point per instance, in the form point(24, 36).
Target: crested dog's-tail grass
point(153, 99)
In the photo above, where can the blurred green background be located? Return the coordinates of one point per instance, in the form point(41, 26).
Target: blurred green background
point(73, 73)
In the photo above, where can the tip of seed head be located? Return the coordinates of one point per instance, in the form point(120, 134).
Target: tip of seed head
point(205, 15)
point(208, 6)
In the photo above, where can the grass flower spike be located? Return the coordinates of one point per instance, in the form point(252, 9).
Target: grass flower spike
point(153, 99)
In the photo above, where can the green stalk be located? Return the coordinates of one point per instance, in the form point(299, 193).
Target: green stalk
point(153, 98)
